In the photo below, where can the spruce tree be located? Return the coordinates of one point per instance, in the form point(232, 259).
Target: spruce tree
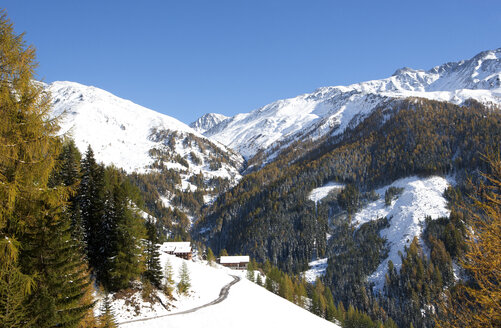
point(259, 280)
point(169, 279)
point(91, 202)
point(184, 283)
point(153, 268)
point(62, 275)
point(124, 258)
point(107, 318)
point(210, 256)
point(250, 272)
point(67, 173)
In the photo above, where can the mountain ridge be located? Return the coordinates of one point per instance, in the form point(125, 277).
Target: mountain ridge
point(331, 109)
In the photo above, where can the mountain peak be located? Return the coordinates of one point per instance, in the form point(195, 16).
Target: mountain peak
point(404, 70)
point(207, 122)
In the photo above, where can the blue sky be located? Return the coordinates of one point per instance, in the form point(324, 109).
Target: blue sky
point(186, 58)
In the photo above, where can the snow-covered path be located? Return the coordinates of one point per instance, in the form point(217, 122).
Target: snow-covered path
point(247, 306)
point(222, 296)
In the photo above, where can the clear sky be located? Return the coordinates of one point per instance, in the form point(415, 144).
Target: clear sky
point(185, 58)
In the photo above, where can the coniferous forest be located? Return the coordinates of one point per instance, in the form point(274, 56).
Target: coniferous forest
point(71, 227)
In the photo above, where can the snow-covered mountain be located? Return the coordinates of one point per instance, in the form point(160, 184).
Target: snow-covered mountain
point(136, 138)
point(331, 109)
point(207, 122)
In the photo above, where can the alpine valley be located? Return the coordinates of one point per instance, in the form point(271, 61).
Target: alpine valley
point(351, 201)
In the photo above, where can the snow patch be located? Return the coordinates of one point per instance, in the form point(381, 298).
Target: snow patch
point(317, 269)
point(420, 198)
point(320, 193)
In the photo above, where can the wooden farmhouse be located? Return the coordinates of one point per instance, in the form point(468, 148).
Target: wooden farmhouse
point(180, 249)
point(235, 262)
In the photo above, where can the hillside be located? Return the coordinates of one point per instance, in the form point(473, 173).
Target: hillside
point(130, 136)
point(247, 305)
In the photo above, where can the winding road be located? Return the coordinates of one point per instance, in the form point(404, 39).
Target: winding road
point(223, 294)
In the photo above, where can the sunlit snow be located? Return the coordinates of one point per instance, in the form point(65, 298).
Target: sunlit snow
point(421, 197)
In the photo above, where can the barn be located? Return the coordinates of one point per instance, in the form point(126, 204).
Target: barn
point(180, 249)
point(235, 262)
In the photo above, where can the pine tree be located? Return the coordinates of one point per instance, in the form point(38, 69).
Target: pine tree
point(62, 276)
point(91, 202)
point(67, 173)
point(123, 255)
point(210, 256)
point(153, 268)
point(169, 279)
point(259, 280)
point(107, 318)
point(250, 271)
point(184, 283)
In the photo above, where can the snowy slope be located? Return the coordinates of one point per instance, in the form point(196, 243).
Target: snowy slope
point(421, 197)
point(124, 134)
point(247, 305)
point(207, 122)
point(330, 109)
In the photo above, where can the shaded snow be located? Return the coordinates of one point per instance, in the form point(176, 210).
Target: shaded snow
point(421, 197)
point(317, 269)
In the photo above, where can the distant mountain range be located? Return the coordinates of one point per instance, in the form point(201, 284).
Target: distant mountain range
point(329, 110)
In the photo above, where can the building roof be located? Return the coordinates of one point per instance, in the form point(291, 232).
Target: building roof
point(234, 259)
point(177, 247)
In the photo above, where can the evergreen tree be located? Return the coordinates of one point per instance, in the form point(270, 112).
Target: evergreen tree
point(91, 202)
point(250, 271)
point(107, 317)
point(123, 254)
point(153, 268)
point(259, 280)
point(210, 256)
point(62, 278)
point(67, 173)
point(184, 283)
point(169, 279)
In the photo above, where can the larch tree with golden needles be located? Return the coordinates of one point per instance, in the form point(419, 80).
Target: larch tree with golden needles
point(43, 278)
point(477, 302)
